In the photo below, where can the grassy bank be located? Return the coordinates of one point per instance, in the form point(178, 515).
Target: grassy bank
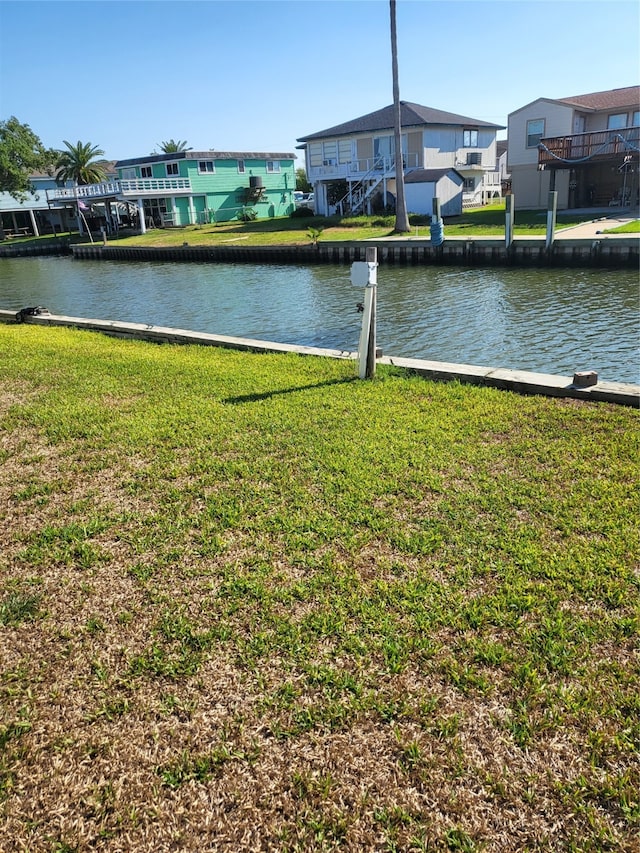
point(248, 602)
point(482, 222)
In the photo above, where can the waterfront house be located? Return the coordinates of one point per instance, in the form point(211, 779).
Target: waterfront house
point(193, 187)
point(352, 165)
point(35, 215)
point(584, 147)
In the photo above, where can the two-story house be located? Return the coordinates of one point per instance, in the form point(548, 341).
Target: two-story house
point(584, 147)
point(195, 187)
point(352, 165)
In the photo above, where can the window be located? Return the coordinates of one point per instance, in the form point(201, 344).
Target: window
point(172, 168)
point(469, 138)
point(206, 167)
point(636, 119)
point(146, 172)
point(615, 122)
point(535, 132)
point(344, 151)
point(155, 211)
point(273, 165)
point(315, 154)
point(330, 153)
point(241, 167)
point(128, 174)
point(469, 185)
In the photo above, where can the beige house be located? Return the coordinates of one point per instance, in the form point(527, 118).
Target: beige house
point(584, 147)
point(352, 165)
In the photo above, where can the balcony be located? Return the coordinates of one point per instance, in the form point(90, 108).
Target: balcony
point(357, 169)
point(90, 191)
point(140, 187)
point(133, 189)
point(566, 152)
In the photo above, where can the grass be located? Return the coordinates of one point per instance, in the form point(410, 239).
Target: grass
point(488, 221)
point(250, 602)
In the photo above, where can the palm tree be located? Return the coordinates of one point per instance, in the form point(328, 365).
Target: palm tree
point(173, 146)
point(402, 220)
point(77, 164)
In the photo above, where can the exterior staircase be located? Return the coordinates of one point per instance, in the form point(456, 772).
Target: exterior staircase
point(359, 193)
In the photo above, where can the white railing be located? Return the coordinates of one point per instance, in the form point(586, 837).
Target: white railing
point(147, 186)
point(358, 168)
point(135, 188)
point(492, 179)
point(105, 188)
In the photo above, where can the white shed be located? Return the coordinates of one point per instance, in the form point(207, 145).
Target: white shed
point(422, 185)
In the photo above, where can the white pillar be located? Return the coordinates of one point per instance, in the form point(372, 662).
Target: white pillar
point(34, 224)
point(192, 212)
point(174, 210)
point(143, 224)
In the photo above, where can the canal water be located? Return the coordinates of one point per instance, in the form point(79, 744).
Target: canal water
point(547, 320)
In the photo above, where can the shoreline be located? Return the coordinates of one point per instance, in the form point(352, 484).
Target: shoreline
point(518, 381)
point(567, 251)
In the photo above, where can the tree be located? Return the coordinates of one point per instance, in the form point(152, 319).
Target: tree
point(402, 220)
point(77, 164)
point(302, 183)
point(173, 146)
point(21, 154)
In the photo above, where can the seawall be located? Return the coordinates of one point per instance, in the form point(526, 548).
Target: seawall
point(24, 250)
point(623, 253)
point(519, 381)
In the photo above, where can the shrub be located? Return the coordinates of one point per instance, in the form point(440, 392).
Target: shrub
point(301, 212)
point(247, 214)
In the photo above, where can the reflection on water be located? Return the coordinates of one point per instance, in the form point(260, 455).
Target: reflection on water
point(553, 321)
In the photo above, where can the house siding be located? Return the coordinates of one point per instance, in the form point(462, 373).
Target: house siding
point(558, 119)
point(586, 182)
point(222, 194)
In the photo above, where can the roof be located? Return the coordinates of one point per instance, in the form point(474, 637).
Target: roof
point(608, 100)
point(611, 99)
point(207, 155)
point(429, 176)
point(411, 115)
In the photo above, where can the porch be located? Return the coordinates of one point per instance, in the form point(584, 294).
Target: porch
point(126, 189)
point(564, 152)
point(359, 170)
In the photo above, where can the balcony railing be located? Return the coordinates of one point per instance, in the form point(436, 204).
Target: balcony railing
point(356, 169)
point(106, 188)
point(135, 188)
point(153, 186)
point(566, 151)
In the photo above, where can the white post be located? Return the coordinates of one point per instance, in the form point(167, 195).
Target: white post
point(509, 220)
point(34, 224)
point(365, 274)
point(192, 212)
point(552, 206)
point(143, 224)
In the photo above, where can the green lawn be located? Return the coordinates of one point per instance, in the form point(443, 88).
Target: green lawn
point(488, 221)
point(249, 602)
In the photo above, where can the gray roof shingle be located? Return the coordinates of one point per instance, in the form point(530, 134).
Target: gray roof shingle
point(411, 115)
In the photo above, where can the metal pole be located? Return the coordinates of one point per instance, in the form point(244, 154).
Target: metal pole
point(372, 258)
point(552, 206)
point(509, 221)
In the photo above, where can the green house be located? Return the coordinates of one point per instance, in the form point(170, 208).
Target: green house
point(199, 187)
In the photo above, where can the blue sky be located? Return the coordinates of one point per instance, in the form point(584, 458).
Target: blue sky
point(256, 76)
